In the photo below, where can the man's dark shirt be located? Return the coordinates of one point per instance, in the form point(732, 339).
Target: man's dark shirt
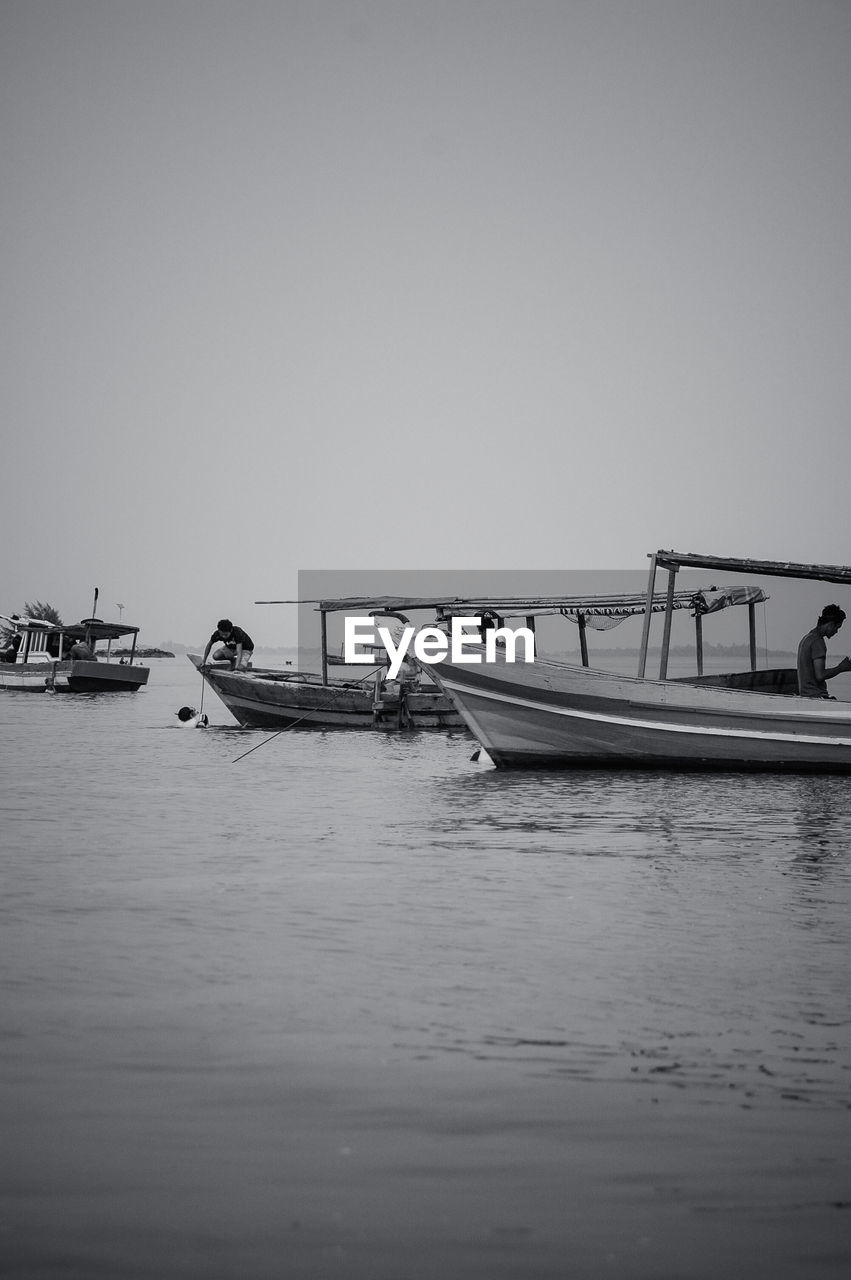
point(233, 638)
point(812, 646)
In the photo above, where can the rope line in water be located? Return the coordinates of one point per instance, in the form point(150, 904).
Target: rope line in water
point(287, 727)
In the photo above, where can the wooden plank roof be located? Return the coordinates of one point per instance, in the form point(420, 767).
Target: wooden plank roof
point(759, 568)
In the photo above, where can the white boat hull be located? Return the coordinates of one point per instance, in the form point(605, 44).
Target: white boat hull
point(550, 714)
point(35, 676)
point(73, 677)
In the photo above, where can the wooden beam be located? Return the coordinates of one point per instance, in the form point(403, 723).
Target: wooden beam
point(583, 639)
point(767, 568)
point(669, 615)
point(648, 613)
point(323, 618)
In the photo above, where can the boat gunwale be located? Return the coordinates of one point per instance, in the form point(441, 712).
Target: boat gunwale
point(689, 697)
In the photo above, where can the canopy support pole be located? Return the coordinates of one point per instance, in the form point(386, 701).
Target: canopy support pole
point(323, 618)
point(698, 641)
point(669, 617)
point(648, 609)
point(752, 632)
point(583, 639)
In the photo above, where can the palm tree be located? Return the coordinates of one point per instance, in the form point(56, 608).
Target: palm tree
point(35, 609)
point(44, 611)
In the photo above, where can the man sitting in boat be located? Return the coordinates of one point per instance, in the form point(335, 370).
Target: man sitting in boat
point(813, 673)
point(10, 653)
point(82, 652)
point(237, 646)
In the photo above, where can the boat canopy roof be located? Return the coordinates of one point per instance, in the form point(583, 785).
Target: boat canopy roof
point(761, 568)
point(95, 630)
point(91, 627)
point(615, 605)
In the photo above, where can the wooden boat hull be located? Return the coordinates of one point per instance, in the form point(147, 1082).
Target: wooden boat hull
point(555, 715)
point(277, 700)
point(73, 677)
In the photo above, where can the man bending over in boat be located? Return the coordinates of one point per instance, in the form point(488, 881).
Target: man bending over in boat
point(237, 646)
point(813, 673)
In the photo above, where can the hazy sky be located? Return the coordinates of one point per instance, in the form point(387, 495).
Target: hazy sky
point(416, 284)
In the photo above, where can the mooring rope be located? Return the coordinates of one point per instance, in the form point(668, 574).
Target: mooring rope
point(287, 727)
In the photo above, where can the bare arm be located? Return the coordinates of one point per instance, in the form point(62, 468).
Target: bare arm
point(824, 672)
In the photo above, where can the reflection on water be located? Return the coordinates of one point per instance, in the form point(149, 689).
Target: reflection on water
point(356, 1001)
point(661, 924)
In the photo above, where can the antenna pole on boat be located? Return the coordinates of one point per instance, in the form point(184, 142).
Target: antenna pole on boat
point(89, 640)
point(648, 610)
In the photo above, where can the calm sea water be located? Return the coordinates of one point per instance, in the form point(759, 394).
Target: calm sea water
point(357, 1006)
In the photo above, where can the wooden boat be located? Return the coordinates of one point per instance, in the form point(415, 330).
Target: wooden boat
point(43, 659)
point(270, 698)
point(267, 698)
point(554, 714)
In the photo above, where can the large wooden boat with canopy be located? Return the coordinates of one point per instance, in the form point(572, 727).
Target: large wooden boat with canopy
point(555, 714)
point(65, 658)
point(266, 697)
